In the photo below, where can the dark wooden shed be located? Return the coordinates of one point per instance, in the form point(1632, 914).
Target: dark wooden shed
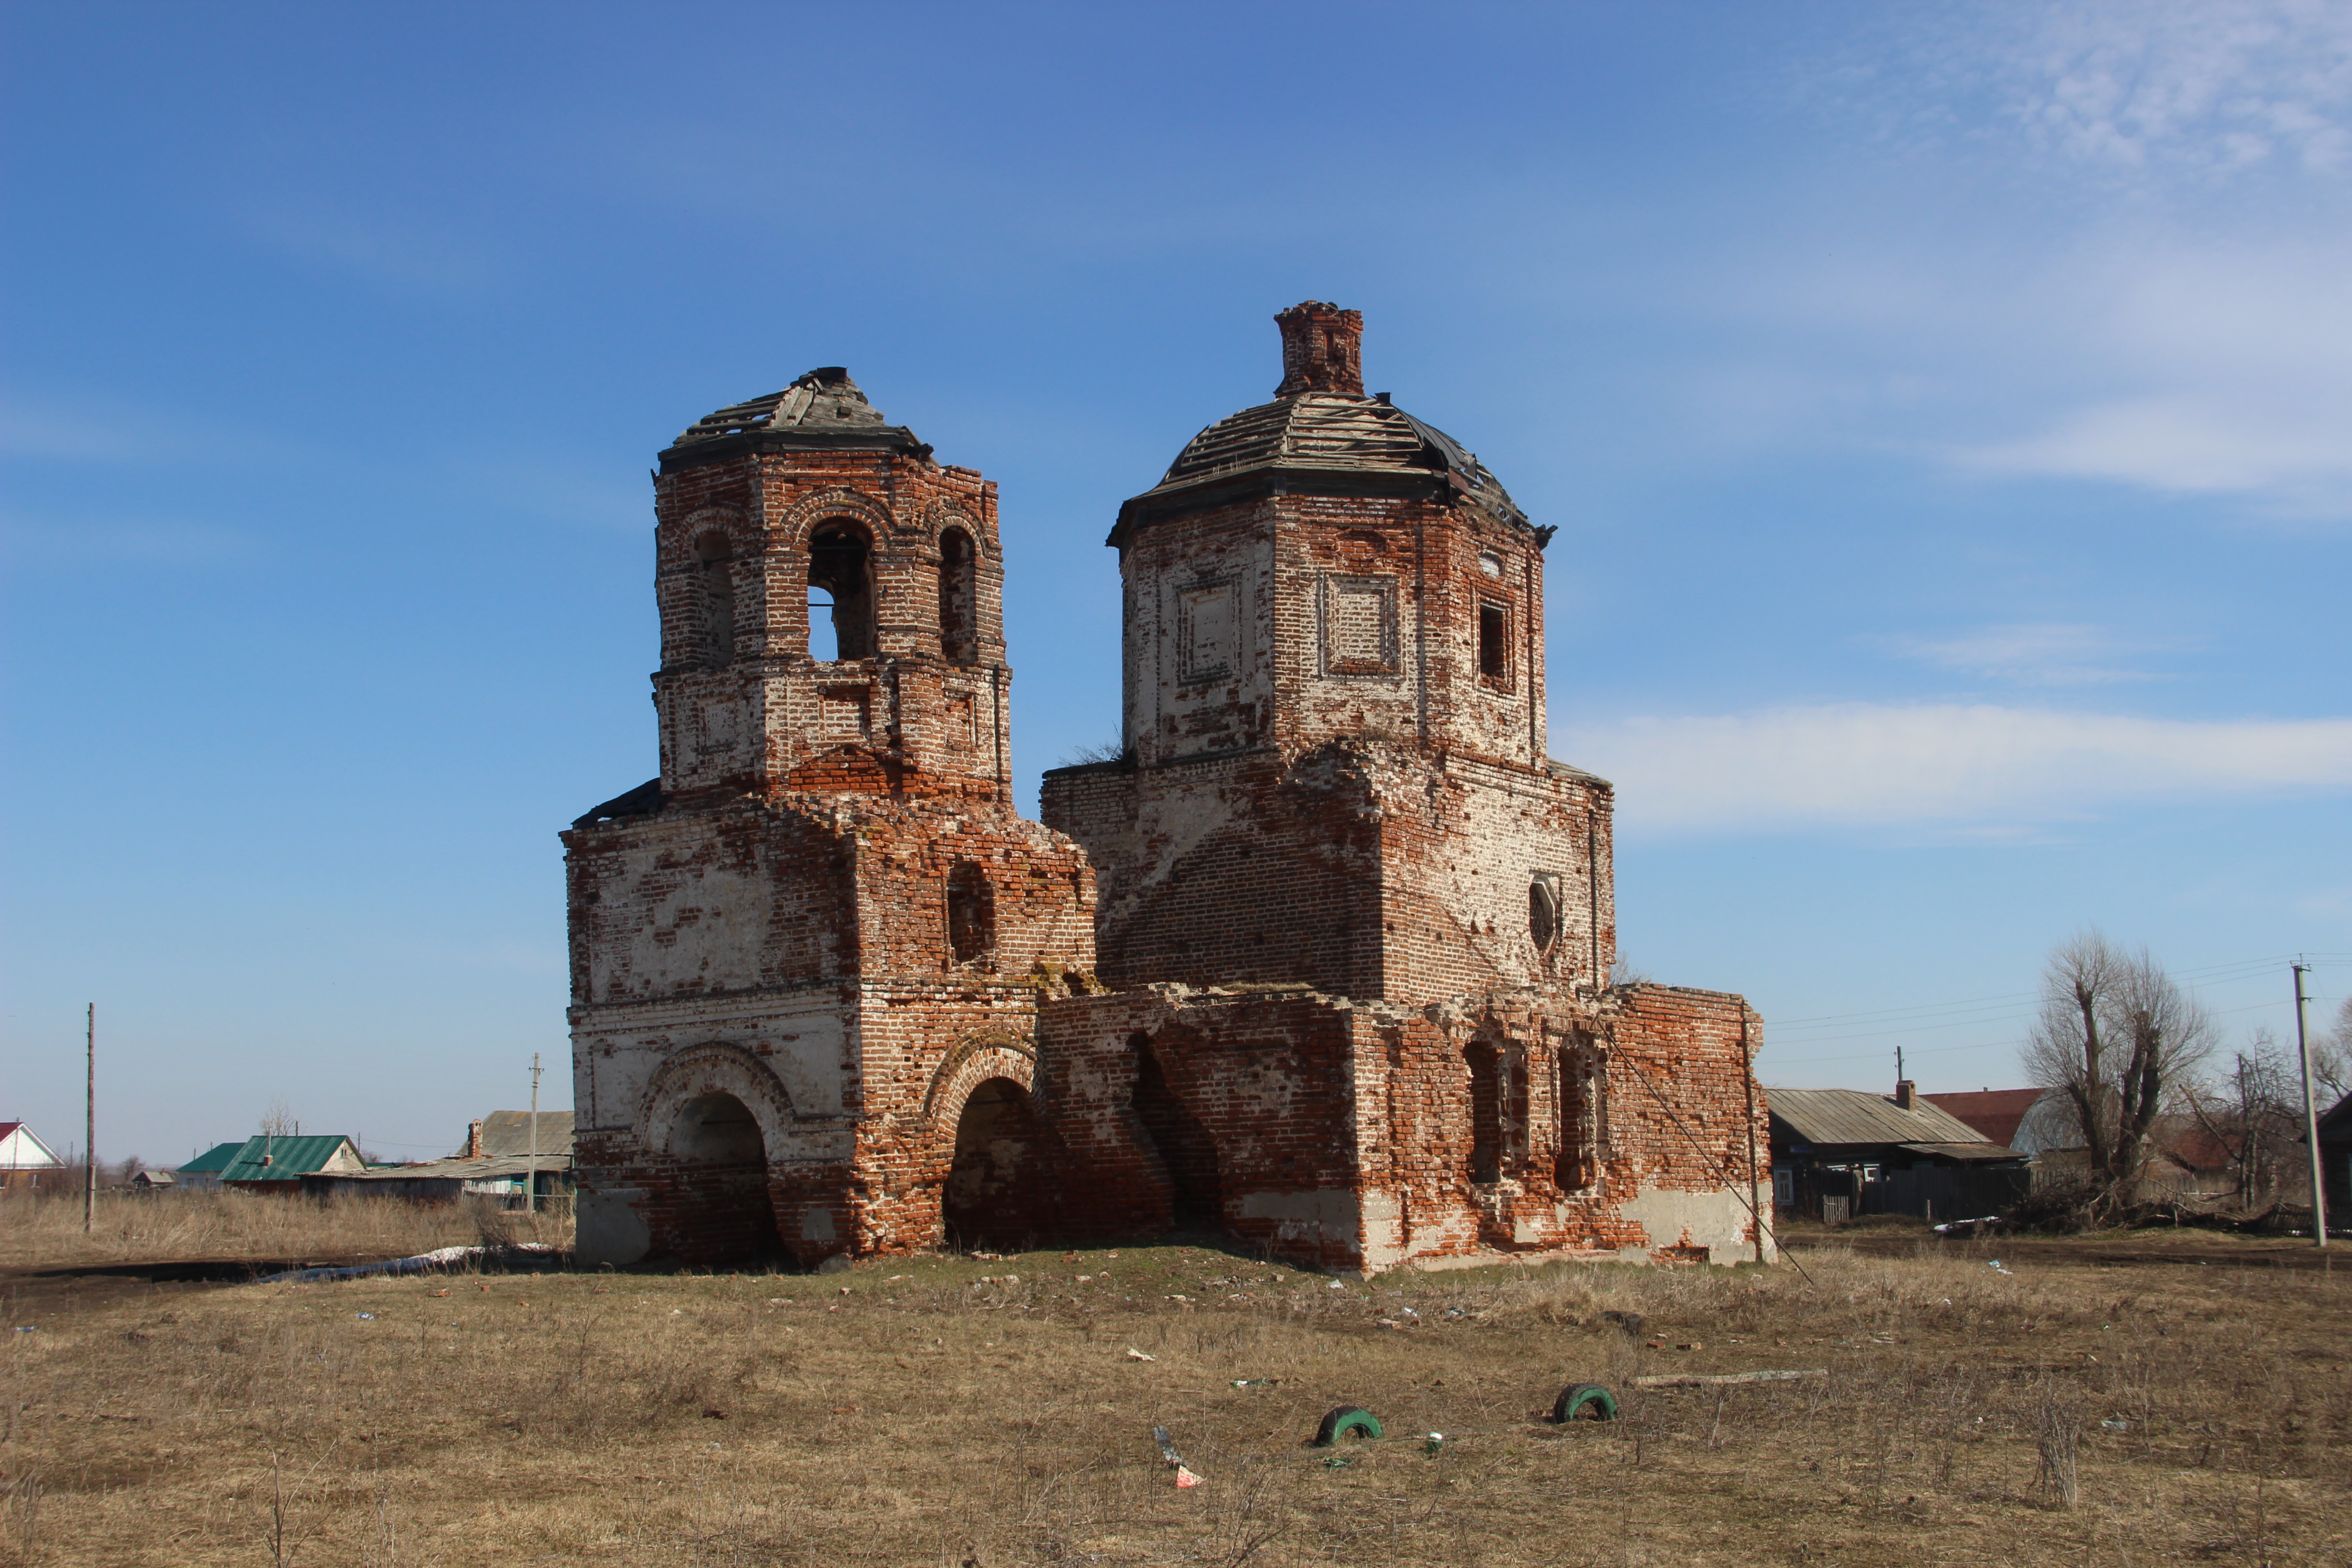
point(1838, 1153)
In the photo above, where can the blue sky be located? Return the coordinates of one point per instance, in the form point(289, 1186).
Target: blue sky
point(1947, 411)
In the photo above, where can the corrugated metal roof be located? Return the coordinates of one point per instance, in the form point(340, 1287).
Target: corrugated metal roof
point(1995, 1113)
point(456, 1169)
point(215, 1158)
point(289, 1158)
point(509, 1132)
point(1844, 1116)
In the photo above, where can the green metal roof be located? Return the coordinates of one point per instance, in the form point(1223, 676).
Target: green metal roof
point(212, 1159)
point(291, 1159)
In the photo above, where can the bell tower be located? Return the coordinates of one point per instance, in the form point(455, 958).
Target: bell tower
point(807, 959)
point(1335, 767)
point(832, 604)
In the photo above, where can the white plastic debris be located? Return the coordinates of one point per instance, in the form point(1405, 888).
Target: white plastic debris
point(1134, 1354)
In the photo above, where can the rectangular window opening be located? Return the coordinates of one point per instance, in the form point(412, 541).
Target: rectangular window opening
point(1493, 644)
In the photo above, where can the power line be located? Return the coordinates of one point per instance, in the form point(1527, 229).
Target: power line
point(1839, 1038)
point(1993, 1009)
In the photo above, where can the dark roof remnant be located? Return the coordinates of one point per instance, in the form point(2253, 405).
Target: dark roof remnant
point(1962, 1153)
point(643, 801)
point(823, 410)
point(1320, 424)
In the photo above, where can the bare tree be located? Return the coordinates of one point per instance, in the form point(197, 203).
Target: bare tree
point(2253, 1109)
point(2118, 1037)
point(2067, 1048)
point(2331, 1057)
point(277, 1119)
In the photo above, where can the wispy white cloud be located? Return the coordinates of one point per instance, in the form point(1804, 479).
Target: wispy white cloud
point(2032, 654)
point(2239, 362)
point(1978, 768)
point(2136, 91)
point(125, 431)
point(403, 255)
point(2298, 461)
point(2136, 274)
point(154, 542)
point(2214, 85)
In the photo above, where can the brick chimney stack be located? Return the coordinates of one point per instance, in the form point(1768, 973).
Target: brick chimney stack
point(473, 1141)
point(1322, 350)
point(1906, 1094)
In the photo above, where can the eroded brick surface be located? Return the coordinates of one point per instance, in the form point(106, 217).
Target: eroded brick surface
point(832, 994)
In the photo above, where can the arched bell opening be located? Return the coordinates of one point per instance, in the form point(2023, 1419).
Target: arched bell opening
point(841, 593)
point(715, 553)
point(724, 1211)
point(996, 1194)
point(958, 606)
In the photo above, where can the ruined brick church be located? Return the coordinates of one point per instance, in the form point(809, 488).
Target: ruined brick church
point(1320, 963)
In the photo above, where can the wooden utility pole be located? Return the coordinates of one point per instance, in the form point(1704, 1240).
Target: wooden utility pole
point(2310, 1116)
point(533, 1177)
point(90, 1127)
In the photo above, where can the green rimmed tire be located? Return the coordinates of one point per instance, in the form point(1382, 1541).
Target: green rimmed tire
point(1584, 1401)
point(1348, 1419)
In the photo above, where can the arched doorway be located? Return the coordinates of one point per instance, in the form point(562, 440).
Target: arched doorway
point(995, 1195)
point(724, 1213)
point(1185, 1145)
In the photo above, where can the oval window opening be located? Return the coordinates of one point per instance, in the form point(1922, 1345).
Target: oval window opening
point(1543, 913)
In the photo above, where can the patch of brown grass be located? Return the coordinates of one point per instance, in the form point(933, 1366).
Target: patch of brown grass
point(937, 1411)
point(46, 1231)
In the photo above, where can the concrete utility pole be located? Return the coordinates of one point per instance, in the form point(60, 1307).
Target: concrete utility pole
point(1747, 1083)
point(90, 1127)
point(2310, 1115)
point(533, 1177)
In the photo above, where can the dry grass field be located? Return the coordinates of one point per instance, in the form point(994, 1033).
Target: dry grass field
point(941, 1412)
point(135, 1227)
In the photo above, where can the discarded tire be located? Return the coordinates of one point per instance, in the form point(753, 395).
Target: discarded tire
point(1346, 1419)
point(1588, 1400)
